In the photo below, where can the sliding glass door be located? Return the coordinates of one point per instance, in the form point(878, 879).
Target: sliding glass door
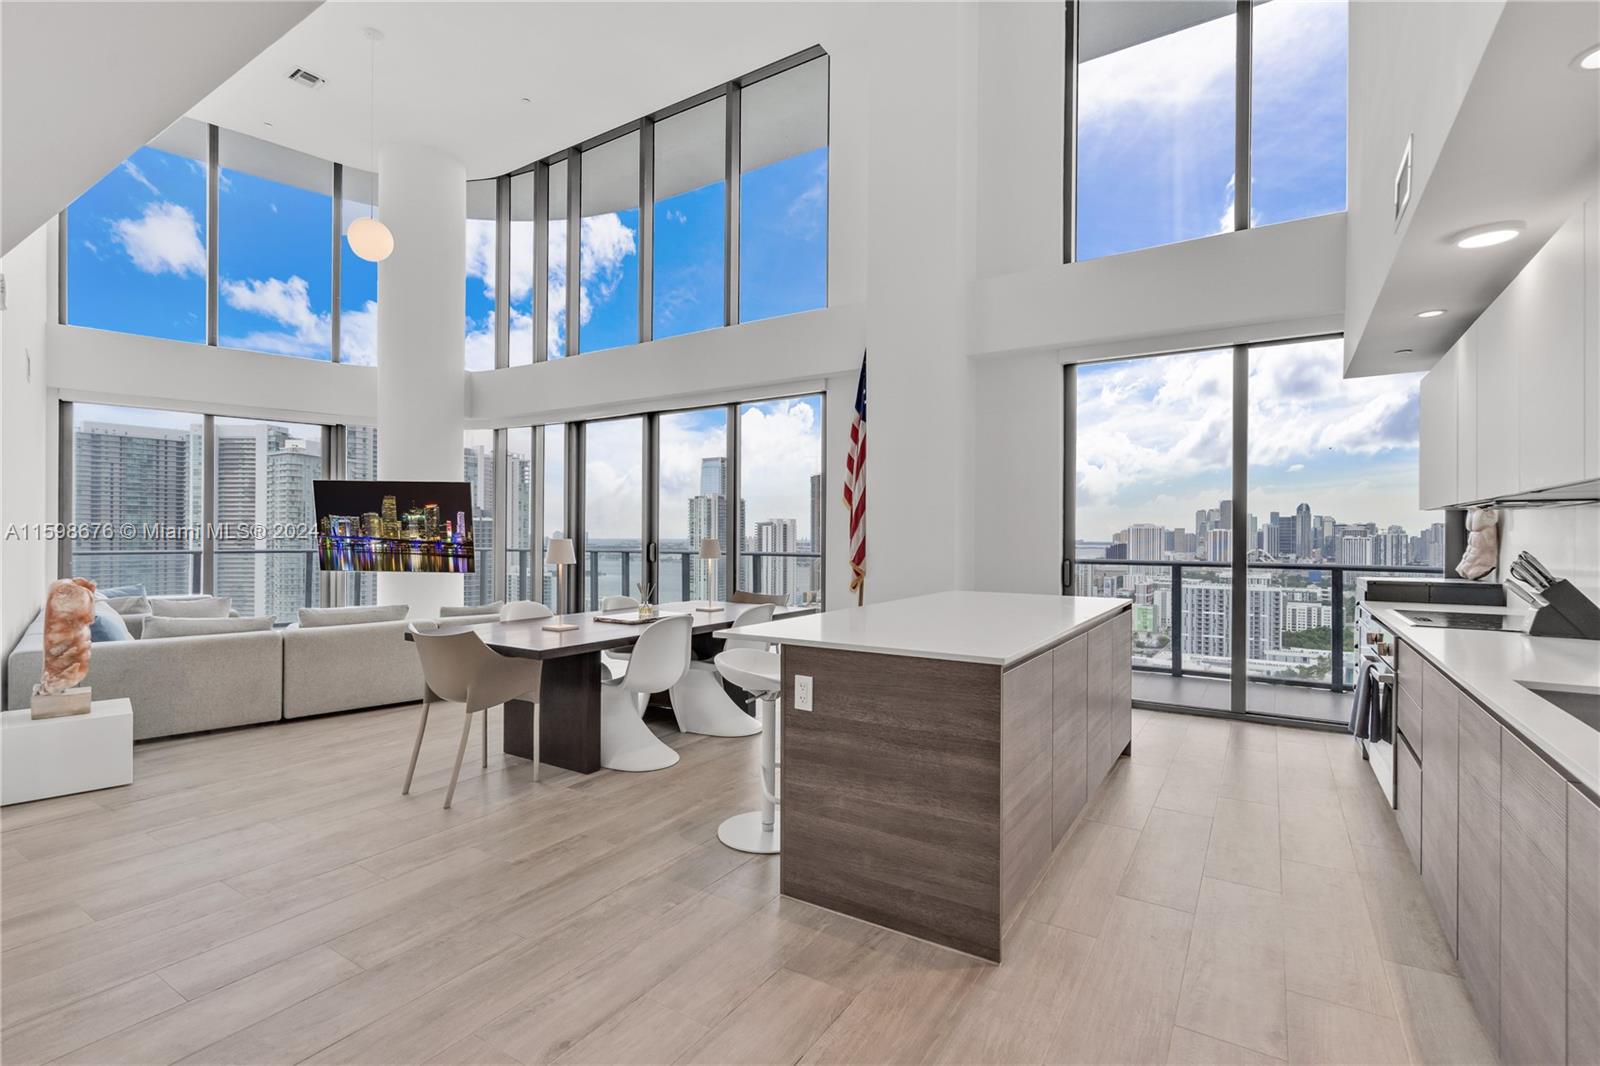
point(691, 502)
point(1242, 587)
point(613, 509)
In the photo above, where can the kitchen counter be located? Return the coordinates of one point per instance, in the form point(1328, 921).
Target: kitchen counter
point(1487, 666)
point(949, 743)
point(996, 628)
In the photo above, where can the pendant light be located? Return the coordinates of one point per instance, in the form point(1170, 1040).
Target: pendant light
point(369, 238)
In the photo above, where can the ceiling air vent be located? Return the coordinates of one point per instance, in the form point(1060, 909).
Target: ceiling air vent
point(302, 76)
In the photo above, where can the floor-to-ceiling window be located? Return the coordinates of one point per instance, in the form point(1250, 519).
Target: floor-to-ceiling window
point(613, 509)
point(358, 277)
point(261, 474)
point(519, 286)
point(556, 265)
point(520, 481)
point(137, 484)
point(478, 470)
point(360, 464)
point(691, 503)
point(1264, 583)
point(1191, 119)
point(480, 293)
point(551, 466)
point(782, 506)
point(274, 257)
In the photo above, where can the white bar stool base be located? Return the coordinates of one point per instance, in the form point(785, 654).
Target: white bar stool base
point(743, 832)
point(701, 705)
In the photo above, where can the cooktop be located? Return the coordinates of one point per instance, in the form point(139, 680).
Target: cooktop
point(1491, 623)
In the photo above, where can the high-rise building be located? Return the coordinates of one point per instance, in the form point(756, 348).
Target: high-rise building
point(776, 573)
point(1145, 541)
point(818, 530)
point(1302, 531)
point(708, 518)
point(714, 476)
point(166, 492)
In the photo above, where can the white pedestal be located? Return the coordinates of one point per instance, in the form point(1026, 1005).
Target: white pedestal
point(59, 756)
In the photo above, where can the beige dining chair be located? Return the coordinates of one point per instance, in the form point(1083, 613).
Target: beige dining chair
point(524, 610)
point(458, 667)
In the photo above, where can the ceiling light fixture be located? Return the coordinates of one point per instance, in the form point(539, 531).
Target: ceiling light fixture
point(1487, 236)
point(1589, 59)
point(1435, 313)
point(1403, 351)
point(369, 238)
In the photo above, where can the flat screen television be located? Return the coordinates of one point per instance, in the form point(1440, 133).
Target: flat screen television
point(422, 527)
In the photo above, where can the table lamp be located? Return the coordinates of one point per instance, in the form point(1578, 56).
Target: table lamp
point(560, 555)
point(710, 551)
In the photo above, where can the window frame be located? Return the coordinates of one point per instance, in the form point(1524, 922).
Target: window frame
point(1243, 122)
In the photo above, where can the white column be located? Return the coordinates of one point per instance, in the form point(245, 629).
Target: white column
point(421, 347)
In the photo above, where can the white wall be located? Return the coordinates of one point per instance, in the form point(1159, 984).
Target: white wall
point(25, 486)
point(1565, 539)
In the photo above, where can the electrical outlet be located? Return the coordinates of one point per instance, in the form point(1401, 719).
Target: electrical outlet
point(802, 692)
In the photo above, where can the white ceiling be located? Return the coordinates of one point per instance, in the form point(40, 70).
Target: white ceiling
point(85, 84)
point(455, 75)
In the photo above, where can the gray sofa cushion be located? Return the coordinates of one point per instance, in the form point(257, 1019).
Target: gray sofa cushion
point(481, 608)
point(157, 627)
point(176, 686)
point(129, 599)
point(318, 617)
point(341, 668)
point(191, 606)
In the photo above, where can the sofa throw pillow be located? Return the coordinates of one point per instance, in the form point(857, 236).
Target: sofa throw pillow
point(482, 608)
point(191, 606)
point(125, 599)
point(157, 626)
point(107, 625)
point(317, 617)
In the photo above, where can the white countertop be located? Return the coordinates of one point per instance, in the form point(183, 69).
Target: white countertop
point(1488, 666)
point(998, 628)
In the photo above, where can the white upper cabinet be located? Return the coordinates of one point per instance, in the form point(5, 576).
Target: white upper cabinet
point(1437, 476)
point(1523, 382)
point(1547, 350)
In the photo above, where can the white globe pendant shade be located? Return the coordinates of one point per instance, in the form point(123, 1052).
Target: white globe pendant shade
point(370, 239)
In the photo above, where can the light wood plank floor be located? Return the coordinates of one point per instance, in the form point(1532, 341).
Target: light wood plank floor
point(1235, 893)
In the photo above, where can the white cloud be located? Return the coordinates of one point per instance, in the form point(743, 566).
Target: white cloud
point(133, 171)
point(781, 447)
point(307, 333)
point(165, 240)
point(1160, 79)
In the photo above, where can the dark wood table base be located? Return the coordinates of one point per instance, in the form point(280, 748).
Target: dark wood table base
point(569, 734)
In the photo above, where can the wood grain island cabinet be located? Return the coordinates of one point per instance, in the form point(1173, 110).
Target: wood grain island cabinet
point(952, 740)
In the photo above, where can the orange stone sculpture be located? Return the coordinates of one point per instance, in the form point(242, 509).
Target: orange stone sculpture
point(68, 610)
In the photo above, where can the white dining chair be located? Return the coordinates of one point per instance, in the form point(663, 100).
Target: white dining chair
point(615, 660)
point(660, 659)
point(759, 672)
point(458, 667)
point(524, 611)
point(701, 704)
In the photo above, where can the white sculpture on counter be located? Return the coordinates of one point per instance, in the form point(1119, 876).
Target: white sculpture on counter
point(1483, 543)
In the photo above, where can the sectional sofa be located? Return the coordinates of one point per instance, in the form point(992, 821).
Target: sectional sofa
point(194, 683)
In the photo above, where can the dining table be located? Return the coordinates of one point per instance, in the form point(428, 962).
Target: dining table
point(572, 674)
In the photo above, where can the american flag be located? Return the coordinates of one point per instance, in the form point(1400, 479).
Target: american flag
point(855, 488)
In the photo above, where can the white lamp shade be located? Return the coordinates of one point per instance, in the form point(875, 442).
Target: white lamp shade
point(370, 239)
point(560, 553)
point(710, 548)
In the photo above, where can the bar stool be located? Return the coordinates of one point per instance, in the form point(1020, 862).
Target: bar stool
point(760, 673)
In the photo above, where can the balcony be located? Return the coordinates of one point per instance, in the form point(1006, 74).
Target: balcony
point(680, 575)
point(1299, 637)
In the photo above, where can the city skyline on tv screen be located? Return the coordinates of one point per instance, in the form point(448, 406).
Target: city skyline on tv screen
point(394, 526)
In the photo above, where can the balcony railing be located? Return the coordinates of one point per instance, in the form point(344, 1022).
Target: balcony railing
point(1282, 647)
point(617, 572)
point(166, 572)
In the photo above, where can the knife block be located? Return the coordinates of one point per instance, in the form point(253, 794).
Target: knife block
point(1568, 613)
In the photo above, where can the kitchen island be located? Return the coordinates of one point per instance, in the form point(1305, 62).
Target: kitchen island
point(948, 744)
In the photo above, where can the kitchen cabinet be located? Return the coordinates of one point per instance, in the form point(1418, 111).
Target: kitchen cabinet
point(1100, 731)
point(1519, 392)
point(1545, 346)
point(1533, 906)
point(1408, 696)
point(1408, 800)
point(1498, 464)
point(1436, 466)
point(1478, 863)
point(1069, 781)
point(1583, 928)
point(1440, 777)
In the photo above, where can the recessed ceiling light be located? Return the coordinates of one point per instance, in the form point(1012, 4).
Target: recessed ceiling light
point(1589, 60)
point(1435, 313)
point(1487, 236)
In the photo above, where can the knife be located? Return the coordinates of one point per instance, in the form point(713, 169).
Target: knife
point(1530, 597)
point(1538, 568)
point(1521, 573)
